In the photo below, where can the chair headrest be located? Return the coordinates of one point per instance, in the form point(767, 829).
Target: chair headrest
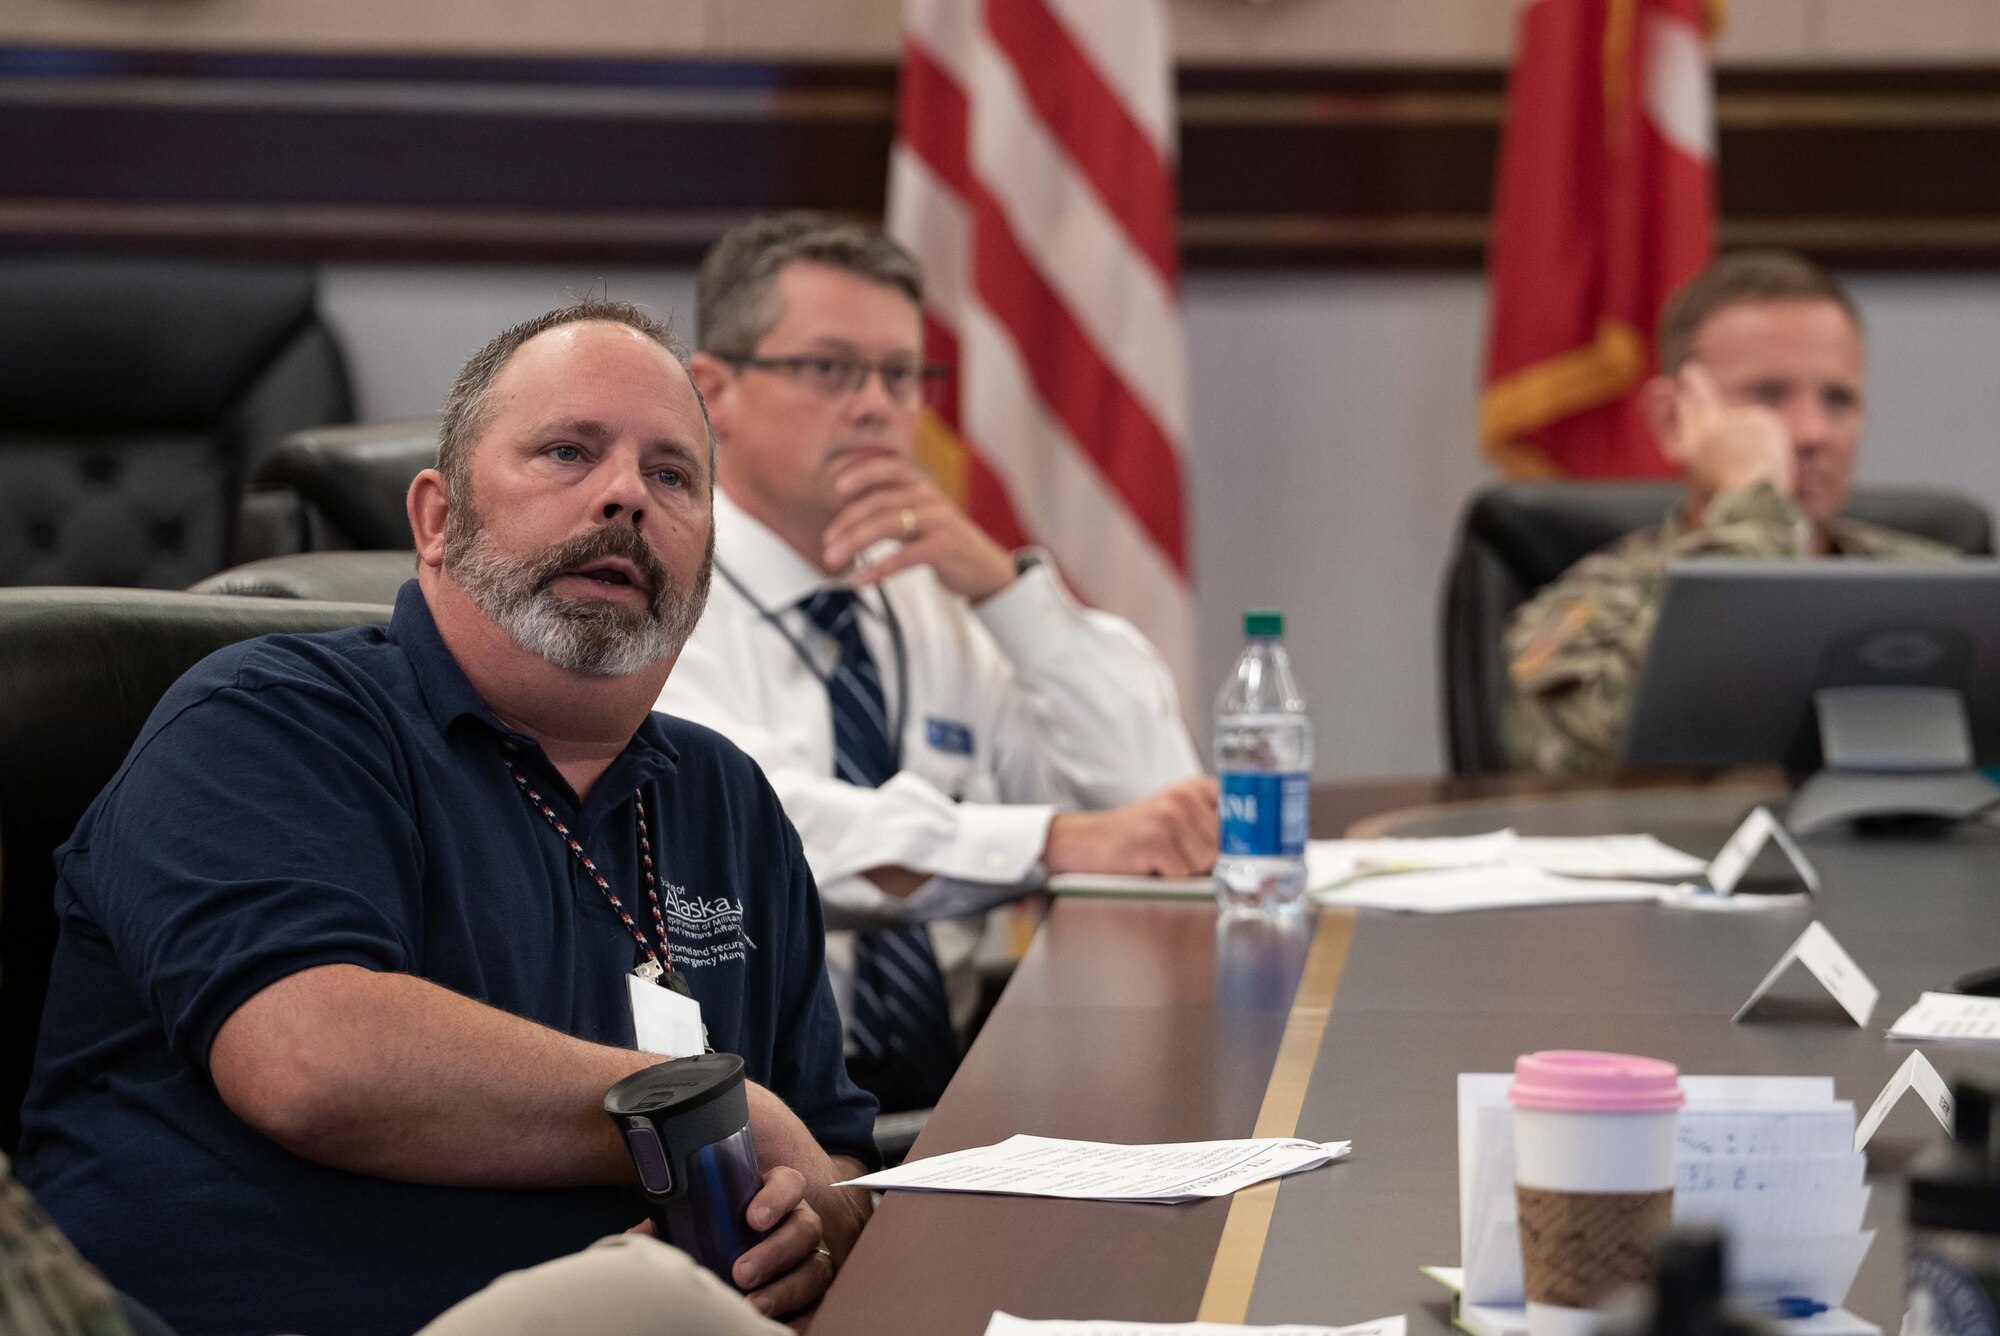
point(358, 477)
point(1541, 529)
point(96, 344)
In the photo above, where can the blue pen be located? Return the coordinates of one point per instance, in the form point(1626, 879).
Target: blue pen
point(1794, 1305)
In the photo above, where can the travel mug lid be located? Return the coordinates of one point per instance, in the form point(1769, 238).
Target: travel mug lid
point(676, 1086)
point(1956, 1186)
point(1579, 1081)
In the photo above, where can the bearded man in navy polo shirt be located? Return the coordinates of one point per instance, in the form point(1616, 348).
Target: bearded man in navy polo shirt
point(343, 972)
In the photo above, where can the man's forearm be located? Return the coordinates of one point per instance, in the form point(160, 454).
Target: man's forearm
point(783, 1139)
point(391, 1075)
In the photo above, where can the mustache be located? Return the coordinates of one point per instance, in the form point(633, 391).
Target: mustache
point(595, 545)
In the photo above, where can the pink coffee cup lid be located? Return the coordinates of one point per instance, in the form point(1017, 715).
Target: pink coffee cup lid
point(1577, 1081)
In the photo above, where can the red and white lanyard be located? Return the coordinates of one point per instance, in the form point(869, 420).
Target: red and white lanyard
point(659, 965)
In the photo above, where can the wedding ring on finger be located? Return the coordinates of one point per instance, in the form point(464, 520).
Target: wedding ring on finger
point(909, 523)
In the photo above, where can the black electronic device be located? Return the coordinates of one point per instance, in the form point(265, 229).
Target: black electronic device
point(1877, 681)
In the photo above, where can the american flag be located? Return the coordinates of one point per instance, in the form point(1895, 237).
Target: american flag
point(1033, 175)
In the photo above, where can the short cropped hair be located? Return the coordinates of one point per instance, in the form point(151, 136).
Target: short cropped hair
point(734, 304)
point(466, 410)
point(1742, 279)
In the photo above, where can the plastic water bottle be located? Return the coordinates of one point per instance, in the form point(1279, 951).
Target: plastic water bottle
point(1263, 758)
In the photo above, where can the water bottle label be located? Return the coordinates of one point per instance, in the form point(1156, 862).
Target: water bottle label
point(1264, 815)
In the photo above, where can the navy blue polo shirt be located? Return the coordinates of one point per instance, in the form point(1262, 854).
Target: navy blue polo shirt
point(342, 798)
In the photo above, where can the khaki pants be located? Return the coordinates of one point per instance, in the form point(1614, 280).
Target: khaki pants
point(627, 1285)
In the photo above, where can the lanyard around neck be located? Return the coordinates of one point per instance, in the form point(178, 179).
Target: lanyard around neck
point(805, 657)
point(661, 962)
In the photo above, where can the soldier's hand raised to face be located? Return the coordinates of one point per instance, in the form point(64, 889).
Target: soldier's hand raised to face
point(1723, 446)
point(888, 496)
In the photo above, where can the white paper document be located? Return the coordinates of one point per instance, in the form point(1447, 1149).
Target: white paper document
point(1829, 963)
point(1495, 887)
point(1004, 1324)
point(1916, 1074)
point(1951, 1018)
point(1635, 856)
point(1333, 864)
point(1029, 1166)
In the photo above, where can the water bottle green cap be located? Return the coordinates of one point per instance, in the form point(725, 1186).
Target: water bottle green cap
point(1263, 622)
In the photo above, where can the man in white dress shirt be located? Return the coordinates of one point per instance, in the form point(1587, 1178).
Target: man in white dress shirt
point(944, 724)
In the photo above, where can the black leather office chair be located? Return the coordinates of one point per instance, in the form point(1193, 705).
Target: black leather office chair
point(337, 577)
point(1517, 537)
point(135, 395)
point(335, 488)
point(80, 670)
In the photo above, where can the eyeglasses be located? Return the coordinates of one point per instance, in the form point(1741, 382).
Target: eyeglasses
point(833, 377)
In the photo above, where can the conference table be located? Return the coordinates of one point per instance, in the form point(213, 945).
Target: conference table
point(1158, 1020)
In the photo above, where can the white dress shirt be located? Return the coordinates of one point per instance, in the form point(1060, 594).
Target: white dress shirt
point(1005, 713)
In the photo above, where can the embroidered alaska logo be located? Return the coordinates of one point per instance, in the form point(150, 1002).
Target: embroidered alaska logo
point(705, 930)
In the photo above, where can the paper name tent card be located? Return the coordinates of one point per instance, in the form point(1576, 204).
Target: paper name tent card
point(1768, 1159)
point(1005, 1324)
point(1762, 855)
point(1027, 1166)
point(1827, 962)
point(1916, 1074)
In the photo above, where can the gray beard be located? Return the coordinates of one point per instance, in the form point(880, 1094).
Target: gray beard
point(591, 639)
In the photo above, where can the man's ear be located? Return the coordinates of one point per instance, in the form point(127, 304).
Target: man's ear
point(713, 377)
point(429, 503)
point(1658, 399)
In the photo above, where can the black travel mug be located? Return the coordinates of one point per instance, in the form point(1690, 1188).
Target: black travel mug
point(687, 1126)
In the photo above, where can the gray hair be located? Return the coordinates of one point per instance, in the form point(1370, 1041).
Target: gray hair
point(734, 304)
point(466, 410)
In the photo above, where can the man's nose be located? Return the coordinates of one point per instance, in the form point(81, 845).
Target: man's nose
point(871, 398)
point(621, 490)
point(1808, 423)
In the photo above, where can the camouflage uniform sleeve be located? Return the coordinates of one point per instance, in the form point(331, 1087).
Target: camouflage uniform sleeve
point(1574, 651)
point(46, 1289)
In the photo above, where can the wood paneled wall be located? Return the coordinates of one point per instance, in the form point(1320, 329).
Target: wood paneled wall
point(629, 161)
point(1224, 32)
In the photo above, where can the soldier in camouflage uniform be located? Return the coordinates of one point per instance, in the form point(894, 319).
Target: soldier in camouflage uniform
point(1760, 404)
point(45, 1288)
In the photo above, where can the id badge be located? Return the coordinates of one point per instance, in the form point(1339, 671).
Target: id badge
point(664, 1021)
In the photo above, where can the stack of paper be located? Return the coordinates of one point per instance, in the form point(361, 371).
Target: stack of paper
point(1025, 1166)
point(1331, 862)
point(1769, 1160)
point(1499, 870)
point(1505, 886)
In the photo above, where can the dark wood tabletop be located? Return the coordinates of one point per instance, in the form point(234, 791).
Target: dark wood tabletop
point(1151, 1021)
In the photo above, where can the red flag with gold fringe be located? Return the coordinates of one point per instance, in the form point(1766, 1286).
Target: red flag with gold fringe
point(1604, 204)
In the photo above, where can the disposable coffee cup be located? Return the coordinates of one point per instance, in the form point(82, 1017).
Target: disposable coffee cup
point(1593, 1177)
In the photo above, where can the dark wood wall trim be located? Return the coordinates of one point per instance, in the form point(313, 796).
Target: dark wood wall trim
point(644, 162)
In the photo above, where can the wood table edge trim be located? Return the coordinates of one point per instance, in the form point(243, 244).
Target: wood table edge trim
point(1238, 1253)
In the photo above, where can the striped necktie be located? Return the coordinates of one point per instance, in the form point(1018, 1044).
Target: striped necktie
point(900, 1011)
